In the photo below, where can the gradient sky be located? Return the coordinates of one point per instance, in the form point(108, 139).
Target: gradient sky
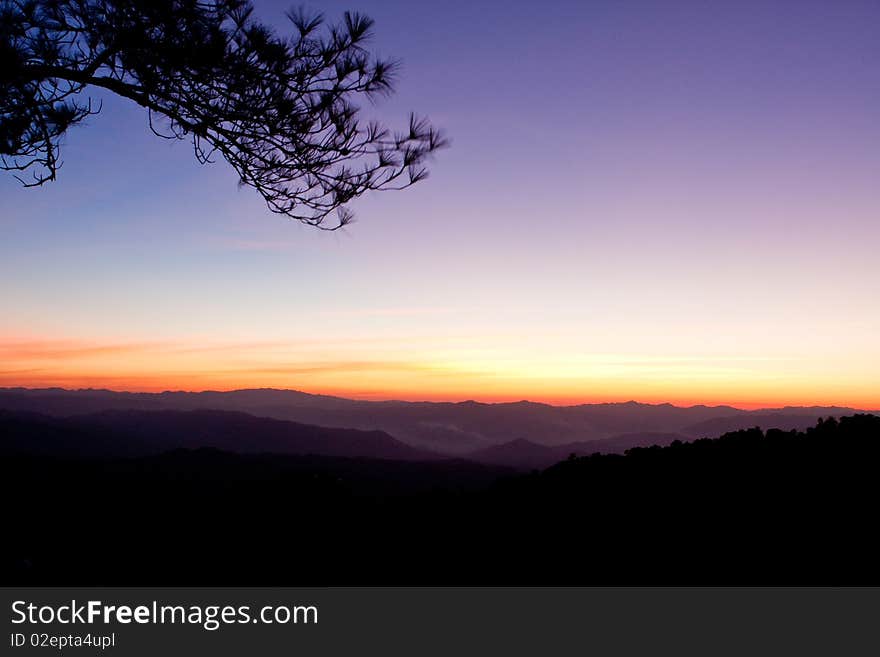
point(674, 201)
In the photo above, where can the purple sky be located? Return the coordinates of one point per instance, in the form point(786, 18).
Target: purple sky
point(664, 201)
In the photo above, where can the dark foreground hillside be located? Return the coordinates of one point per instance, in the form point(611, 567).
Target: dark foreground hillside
point(750, 507)
point(131, 433)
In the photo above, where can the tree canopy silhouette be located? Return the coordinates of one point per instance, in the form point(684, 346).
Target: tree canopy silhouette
point(280, 110)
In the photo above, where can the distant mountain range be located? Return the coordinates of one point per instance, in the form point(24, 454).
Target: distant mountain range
point(521, 434)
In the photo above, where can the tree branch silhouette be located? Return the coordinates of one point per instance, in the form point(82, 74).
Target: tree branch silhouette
point(280, 110)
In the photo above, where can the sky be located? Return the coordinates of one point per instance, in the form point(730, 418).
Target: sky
point(667, 202)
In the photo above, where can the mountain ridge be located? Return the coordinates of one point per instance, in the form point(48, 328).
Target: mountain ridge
point(449, 428)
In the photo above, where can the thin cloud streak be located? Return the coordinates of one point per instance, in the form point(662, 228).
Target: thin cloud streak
point(387, 312)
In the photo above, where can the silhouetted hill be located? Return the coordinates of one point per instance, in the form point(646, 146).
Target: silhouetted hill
point(135, 433)
point(751, 507)
point(525, 455)
point(520, 453)
point(447, 428)
point(784, 419)
point(622, 443)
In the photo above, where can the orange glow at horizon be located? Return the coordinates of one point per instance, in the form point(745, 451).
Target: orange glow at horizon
point(376, 372)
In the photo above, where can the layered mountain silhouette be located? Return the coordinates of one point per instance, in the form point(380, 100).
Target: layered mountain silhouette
point(452, 429)
point(750, 507)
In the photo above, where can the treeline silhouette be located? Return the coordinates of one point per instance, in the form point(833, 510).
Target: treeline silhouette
point(750, 507)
